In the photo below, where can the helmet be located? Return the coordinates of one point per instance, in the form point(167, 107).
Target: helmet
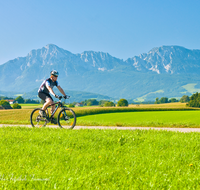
point(54, 73)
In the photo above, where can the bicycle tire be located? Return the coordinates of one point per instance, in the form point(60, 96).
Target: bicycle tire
point(66, 118)
point(36, 120)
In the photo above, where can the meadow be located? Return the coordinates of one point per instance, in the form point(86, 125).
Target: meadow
point(46, 158)
point(53, 158)
point(144, 119)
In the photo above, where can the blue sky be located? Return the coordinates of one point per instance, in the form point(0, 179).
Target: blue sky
point(122, 28)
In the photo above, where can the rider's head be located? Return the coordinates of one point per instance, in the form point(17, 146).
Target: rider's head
point(54, 75)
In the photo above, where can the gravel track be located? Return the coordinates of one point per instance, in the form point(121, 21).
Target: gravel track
point(185, 130)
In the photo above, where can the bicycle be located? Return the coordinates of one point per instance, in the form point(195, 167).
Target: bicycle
point(66, 118)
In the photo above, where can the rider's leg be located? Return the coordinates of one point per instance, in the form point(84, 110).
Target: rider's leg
point(48, 102)
point(53, 108)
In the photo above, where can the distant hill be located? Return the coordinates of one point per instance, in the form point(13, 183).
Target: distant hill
point(75, 96)
point(168, 71)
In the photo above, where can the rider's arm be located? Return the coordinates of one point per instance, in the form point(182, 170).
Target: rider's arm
point(61, 90)
point(50, 90)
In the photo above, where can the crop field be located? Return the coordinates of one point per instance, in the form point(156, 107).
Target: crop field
point(30, 106)
point(170, 115)
point(46, 158)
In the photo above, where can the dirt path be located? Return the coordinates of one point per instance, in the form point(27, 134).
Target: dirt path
point(185, 130)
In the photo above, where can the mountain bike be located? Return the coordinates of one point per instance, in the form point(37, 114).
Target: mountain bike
point(66, 118)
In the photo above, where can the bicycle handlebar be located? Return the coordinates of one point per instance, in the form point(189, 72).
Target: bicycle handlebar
point(65, 97)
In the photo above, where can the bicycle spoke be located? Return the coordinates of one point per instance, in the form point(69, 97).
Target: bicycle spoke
point(37, 120)
point(66, 119)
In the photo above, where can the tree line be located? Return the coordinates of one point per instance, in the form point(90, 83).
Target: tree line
point(20, 100)
point(193, 101)
point(5, 104)
point(184, 99)
point(103, 103)
point(89, 102)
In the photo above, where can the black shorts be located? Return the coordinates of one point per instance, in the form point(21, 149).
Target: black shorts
point(44, 96)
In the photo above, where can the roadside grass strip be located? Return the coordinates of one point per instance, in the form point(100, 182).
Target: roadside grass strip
point(46, 158)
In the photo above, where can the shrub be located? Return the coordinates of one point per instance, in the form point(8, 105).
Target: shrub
point(122, 102)
point(184, 99)
point(16, 106)
point(5, 104)
point(71, 105)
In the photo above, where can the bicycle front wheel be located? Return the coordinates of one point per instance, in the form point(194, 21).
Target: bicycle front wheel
point(36, 119)
point(67, 118)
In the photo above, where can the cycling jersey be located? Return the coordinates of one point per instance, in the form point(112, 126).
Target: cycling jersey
point(48, 82)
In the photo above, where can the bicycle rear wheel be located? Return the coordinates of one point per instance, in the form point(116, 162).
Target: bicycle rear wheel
point(66, 118)
point(37, 120)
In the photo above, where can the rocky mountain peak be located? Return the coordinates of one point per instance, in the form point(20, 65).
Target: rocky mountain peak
point(168, 59)
point(163, 69)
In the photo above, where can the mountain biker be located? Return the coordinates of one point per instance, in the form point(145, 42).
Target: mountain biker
point(46, 88)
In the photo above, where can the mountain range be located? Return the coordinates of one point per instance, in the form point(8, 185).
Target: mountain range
point(167, 71)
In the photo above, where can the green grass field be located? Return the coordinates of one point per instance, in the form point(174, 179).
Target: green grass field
point(44, 158)
point(146, 118)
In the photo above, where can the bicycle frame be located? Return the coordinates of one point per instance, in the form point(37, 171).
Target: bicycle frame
point(59, 104)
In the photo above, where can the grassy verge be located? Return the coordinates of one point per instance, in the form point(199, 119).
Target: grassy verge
point(98, 159)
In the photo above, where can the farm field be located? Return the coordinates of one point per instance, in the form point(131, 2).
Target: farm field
point(166, 115)
point(46, 158)
point(168, 105)
point(30, 106)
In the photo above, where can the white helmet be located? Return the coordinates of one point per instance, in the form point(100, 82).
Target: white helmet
point(54, 73)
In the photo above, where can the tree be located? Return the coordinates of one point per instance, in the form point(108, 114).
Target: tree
point(184, 99)
point(19, 99)
point(157, 101)
point(93, 102)
point(163, 100)
point(194, 100)
point(102, 102)
point(29, 101)
point(109, 104)
point(122, 102)
point(173, 100)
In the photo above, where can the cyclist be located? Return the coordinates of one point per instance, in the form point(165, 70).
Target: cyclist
point(46, 88)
